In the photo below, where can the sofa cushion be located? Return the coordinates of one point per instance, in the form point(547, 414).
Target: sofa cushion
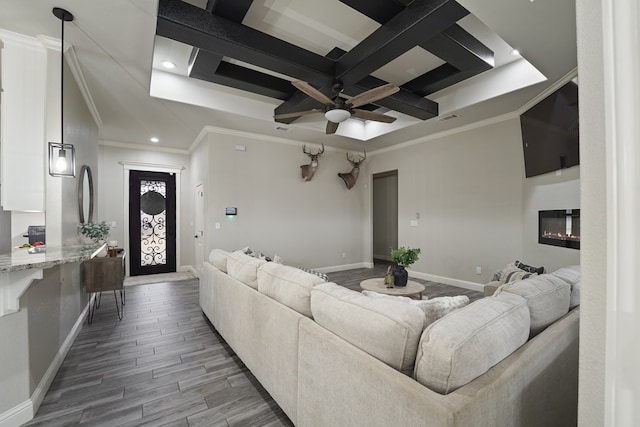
point(244, 268)
point(288, 285)
point(433, 308)
point(572, 276)
point(386, 329)
point(218, 258)
point(547, 297)
point(468, 342)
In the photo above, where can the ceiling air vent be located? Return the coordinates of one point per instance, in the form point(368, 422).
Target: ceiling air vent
point(282, 128)
point(449, 117)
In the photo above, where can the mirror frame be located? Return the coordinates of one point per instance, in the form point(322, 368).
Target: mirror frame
point(85, 172)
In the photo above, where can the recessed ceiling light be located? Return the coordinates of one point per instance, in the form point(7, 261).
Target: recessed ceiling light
point(515, 52)
point(168, 65)
point(154, 139)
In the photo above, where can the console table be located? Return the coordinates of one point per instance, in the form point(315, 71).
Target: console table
point(105, 274)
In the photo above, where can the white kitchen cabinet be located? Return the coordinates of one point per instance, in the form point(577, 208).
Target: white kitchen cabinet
point(22, 123)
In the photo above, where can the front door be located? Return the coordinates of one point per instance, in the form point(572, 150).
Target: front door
point(152, 222)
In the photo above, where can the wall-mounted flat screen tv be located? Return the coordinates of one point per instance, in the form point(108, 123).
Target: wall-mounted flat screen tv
point(550, 132)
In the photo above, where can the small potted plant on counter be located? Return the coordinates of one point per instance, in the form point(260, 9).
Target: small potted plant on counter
point(403, 257)
point(96, 231)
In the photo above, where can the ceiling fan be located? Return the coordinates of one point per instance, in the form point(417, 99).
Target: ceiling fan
point(339, 109)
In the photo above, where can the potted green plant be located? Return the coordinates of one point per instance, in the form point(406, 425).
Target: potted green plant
point(403, 257)
point(96, 231)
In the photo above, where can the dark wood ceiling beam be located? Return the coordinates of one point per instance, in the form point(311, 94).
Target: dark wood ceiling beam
point(240, 77)
point(233, 10)
point(380, 11)
point(440, 78)
point(403, 101)
point(457, 47)
point(298, 102)
point(194, 26)
point(419, 21)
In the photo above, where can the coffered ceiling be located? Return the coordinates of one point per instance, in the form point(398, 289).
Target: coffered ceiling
point(235, 60)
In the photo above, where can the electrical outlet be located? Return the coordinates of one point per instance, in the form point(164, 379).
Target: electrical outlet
point(344, 255)
point(478, 270)
point(217, 226)
point(113, 224)
point(413, 223)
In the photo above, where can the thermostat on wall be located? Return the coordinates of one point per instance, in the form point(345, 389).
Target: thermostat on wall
point(231, 211)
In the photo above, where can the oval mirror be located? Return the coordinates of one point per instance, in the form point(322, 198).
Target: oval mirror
point(85, 195)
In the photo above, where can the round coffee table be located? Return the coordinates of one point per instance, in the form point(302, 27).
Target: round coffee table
point(412, 290)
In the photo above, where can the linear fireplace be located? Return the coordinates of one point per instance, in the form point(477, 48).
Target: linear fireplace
point(559, 228)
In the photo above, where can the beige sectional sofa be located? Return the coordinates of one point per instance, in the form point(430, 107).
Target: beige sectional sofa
point(330, 356)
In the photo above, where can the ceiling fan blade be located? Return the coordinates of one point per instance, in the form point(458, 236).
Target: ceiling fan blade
point(332, 127)
point(296, 114)
point(370, 115)
point(372, 95)
point(312, 92)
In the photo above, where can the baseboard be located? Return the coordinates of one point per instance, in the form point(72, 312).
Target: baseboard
point(17, 415)
point(344, 267)
point(188, 268)
point(26, 410)
point(447, 281)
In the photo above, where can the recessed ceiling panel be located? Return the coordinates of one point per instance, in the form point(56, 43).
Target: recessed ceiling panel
point(317, 26)
point(408, 66)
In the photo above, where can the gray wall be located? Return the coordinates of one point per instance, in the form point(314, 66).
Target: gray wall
point(314, 224)
point(467, 188)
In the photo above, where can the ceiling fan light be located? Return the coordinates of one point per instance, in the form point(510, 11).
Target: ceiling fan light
point(337, 115)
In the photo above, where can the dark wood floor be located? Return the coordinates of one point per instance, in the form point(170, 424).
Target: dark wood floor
point(164, 365)
point(352, 278)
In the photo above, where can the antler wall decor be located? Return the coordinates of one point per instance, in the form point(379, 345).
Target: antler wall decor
point(351, 177)
point(309, 169)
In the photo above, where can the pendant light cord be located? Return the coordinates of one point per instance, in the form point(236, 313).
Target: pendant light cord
point(62, 86)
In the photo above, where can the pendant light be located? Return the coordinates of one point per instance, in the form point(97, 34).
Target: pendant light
point(62, 157)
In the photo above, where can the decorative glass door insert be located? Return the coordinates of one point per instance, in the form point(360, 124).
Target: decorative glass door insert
point(152, 222)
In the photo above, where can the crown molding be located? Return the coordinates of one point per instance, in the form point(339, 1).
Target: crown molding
point(548, 91)
point(250, 135)
point(76, 70)
point(27, 41)
point(486, 122)
point(464, 128)
point(130, 146)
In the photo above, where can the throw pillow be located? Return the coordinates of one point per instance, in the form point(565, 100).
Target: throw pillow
point(512, 273)
point(528, 268)
point(323, 276)
point(433, 309)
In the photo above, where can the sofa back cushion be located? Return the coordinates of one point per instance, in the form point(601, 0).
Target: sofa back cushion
point(244, 268)
point(547, 296)
point(386, 329)
point(218, 258)
point(572, 276)
point(464, 344)
point(288, 285)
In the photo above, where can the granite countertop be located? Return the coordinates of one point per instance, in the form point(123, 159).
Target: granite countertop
point(20, 259)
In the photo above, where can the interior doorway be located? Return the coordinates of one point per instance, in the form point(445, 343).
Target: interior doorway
point(385, 215)
point(152, 222)
point(199, 228)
